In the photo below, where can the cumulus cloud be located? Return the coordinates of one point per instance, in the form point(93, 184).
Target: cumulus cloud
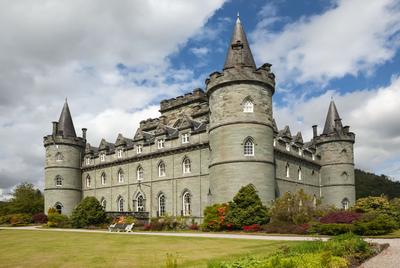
point(350, 38)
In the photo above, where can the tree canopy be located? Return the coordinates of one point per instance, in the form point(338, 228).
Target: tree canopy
point(25, 199)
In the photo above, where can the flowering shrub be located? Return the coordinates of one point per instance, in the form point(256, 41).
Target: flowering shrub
point(39, 218)
point(20, 219)
point(214, 218)
point(341, 217)
point(252, 228)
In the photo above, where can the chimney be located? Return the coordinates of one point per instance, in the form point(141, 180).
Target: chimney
point(55, 128)
point(84, 133)
point(315, 132)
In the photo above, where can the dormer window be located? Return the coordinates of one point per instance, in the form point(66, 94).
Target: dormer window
point(102, 157)
point(248, 106)
point(288, 147)
point(119, 153)
point(300, 152)
point(313, 156)
point(160, 144)
point(139, 149)
point(185, 138)
point(88, 161)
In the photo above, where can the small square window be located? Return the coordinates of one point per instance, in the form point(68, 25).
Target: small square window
point(160, 144)
point(288, 147)
point(185, 138)
point(88, 161)
point(119, 153)
point(102, 157)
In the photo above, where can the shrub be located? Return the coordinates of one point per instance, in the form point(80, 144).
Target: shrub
point(166, 223)
point(20, 219)
point(372, 203)
point(5, 219)
point(375, 223)
point(331, 228)
point(341, 217)
point(214, 218)
point(252, 228)
point(286, 228)
point(194, 226)
point(246, 209)
point(88, 212)
point(58, 220)
point(39, 218)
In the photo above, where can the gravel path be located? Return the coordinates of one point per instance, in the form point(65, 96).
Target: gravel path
point(389, 258)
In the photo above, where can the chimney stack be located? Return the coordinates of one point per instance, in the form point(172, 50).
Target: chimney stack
point(55, 127)
point(315, 132)
point(84, 133)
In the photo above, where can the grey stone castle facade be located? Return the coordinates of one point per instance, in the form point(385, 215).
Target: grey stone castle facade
point(203, 148)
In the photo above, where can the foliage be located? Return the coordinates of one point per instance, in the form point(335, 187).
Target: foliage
point(246, 209)
point(39, 218)
point(51, 210)
point(252, 228)
point(297, 208)
point(375, 223)
point(214, 218)
point(25, 199)
point(331, 228)
point(341, 217)
point(88, 212)
point(5, 219)
point(372, 203)
point(286, 228)
point(166, 223)
point(369, 184)
point(20, 219)
point(58, 220)
point(194, 227)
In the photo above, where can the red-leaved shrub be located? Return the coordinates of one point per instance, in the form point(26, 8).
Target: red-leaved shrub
point(252, 228)
point(146, 227)
point(341, 217)
point(194, 226)
point(39, 218)
point(286, 228)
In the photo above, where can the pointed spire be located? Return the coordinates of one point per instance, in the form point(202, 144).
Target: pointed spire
point(332, 119)
point(239, 53)
point(65, 124)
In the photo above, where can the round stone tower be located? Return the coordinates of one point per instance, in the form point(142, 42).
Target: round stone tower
point(63, 179)
point(241, 128)
point(335, 145)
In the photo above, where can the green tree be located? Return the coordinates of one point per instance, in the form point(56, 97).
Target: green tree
point(246, 208)
point(26, 199)
point(88, 212)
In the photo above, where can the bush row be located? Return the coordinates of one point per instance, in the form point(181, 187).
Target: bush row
point(22, 219)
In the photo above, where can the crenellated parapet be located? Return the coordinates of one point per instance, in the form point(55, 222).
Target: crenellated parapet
point(196, 96)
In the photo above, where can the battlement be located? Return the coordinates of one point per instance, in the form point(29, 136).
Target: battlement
point(149, 123)
point(59, 139)
point(261, 75)
point(196, 95)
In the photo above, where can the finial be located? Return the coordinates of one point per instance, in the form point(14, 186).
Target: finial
point(66, 99)
point(238, 18)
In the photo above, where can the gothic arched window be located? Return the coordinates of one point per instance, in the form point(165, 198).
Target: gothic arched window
point(161, 205)
point(120, 176)
point(103, 178)
point(299, 175)
point(139, 202)
point(161, 169)
point(120, 204)
point(58, 181)
point(287, 170)
point(88, 181)
point(59, 157)
point(248, 147)
point(345, 203)
point(103, 203)
point(139, 173)
point(186, 204)
point(186, 166)
point(248, 106)
point(58, 206)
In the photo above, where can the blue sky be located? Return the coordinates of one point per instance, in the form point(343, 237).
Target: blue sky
point(116, 61)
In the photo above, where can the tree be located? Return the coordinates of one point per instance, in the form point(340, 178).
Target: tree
point(369, 184)
point(246, 209)
point(88, 212)
point(26, 199)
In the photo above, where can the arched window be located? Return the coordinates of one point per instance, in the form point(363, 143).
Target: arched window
point(139, 173)
point(248, 147)
point(299, 176)
point(88, 181)
point(345, 176)
point(186, 166)
point(120, 204)
point(103, 203)
point(102, 157)
point(58, 181)
point(287, 170)
point(161, 169)
point(345, 203)
point(248, 106)
point(58, 206)
point(120, 176)
point(103, 178)
point(59, 157)
point(161, 205)
point(186, 204)
point(119, 153)
point(139, 202)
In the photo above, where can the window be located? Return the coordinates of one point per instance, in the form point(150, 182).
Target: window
point(274, 142)
point(287, 170)
point(59, 157)
point(248, 106)
point(160, 144)
point(249, 147)
point(313, 156)
point(288, 147)
point(139, 173)
point(88, 161)
point(161, 205)
point(345, 204)
point(102, 157)
point(103, 178)
point(88, 181)
point(104, 203)
point(139, 149)
point(299, 177)
point(120, 176)
point(120, 204)
point(58, 207)
point(185, 138)
point(140, 202)
point(345, 176)
point(58, 181)
point(161, 169)
point(187, 166)
point(186, 200)
point(300, 152)
point(119, 153)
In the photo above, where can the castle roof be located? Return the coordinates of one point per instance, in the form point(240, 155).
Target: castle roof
point(239, 53)
point(65, 124)
point(331, 119)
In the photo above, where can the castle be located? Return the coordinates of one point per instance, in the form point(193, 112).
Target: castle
point(203, 148)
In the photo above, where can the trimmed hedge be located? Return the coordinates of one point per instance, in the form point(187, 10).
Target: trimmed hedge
point(331, 228)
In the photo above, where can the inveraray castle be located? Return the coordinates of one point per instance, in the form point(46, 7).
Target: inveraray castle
point(203, 148)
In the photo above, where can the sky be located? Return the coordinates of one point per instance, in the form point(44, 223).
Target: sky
point(115, 61)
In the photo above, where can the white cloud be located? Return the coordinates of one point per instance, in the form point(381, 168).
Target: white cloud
point(354, 36)
point(199, 51)
point(372, 116)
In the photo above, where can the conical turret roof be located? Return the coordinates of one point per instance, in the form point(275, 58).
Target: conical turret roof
point(239, 53)
point(331, 117)
point(65, 124)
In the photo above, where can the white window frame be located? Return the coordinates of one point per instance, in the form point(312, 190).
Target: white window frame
point(102, 157)
point(160, 144)
point(119, 153)
point(299, 174)
point(185, 138)
point(88, 181)
point(187, 166)
point(87, 160)
point(288, 147)
point(300, 152)
point(187, 204)
point(140, 202)
point(120, 176)
point(345, 203)
point(274, 142)
point(287, 170)
point(248, 106)
point(140, 173)
point(104, 203)
point(103, 178)
point(139, 149)
point(161, 205)
point(58, 181)
point(120, 204)
point(248, 147)
point(161, 169)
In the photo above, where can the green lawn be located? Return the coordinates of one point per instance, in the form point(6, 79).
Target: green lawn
point(66, 249)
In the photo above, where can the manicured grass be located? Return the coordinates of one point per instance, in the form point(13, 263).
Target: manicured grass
point(23, 248)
